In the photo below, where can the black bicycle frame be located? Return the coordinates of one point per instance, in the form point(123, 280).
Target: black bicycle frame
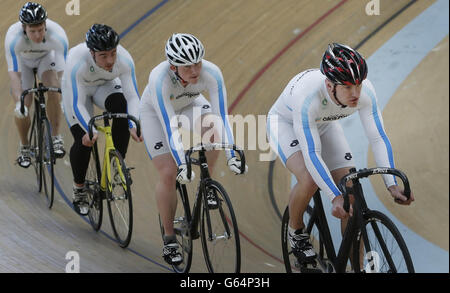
point(357, 220)
point(204, 178)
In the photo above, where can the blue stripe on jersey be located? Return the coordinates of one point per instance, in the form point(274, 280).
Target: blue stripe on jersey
point(13, 52)
point(310, 144)
point(133, 74)
point(133, 77)
point(275, 140)
point(148, 152)
point(73, 78)
point(222, 106)
point(383, 135)
point(165, 116)
point(63, 42)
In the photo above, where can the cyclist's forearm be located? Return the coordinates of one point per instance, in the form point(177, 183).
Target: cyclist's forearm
point(16, 85)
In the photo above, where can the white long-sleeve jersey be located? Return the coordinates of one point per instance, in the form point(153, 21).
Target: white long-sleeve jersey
point(166, 95)
point(17, 44)
point(82, 71)
point(306, 103)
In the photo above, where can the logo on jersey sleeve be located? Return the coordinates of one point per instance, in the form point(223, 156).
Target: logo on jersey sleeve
point(158, 145)
point(294, 143)
point(348, 156)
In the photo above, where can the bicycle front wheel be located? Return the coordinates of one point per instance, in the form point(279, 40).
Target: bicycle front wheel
point(95, 194)
point(385, 251)
point(36, 151)
point(219, 233)
point(119, 199)
point(48, 163)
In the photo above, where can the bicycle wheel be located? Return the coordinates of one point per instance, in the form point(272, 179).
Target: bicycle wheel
point(35, 150)
point(95, 194)
point(279, 184)
point(182, 230)
point(48, 162)
point(219, 233)
point(291, 263)
point(385, 251)
point(119, 199)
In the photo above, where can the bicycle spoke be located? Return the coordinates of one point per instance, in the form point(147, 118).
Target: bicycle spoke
point(119, 201)
point(388, 252)
point(384, 248)
point(220, 235)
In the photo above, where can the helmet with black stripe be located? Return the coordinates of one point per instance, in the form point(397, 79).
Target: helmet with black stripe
point(343, 65)
point(32, 13)
point(184, 49)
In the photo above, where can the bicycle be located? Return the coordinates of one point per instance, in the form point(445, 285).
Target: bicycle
point(40, 138)
point(217, 223)
point(112, 182)
point(371, 240)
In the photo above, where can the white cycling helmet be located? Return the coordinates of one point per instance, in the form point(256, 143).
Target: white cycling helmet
point(184, 49)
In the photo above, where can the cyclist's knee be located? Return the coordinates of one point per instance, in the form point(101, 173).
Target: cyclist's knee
point(78, 133)
point(116, 103)
point(167, 169)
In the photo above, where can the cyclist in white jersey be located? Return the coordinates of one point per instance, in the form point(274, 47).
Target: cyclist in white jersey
point(172, 97)
point(302, 128)
point(35, 42)
point(101, 72)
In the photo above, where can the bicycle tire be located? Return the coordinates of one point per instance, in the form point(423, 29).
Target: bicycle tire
point(395, 262)
point(35, 150)
point(290, 261)
point(271, 190)
point(47, 162)
point(119, 199)
point(95, 194)
point(181, 226)
point(224, 233)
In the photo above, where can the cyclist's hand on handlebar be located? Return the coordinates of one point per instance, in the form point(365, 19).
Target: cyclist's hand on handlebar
point(399, 197)
point(235, 166)
point(182, 176)
point(88, 142)
point(134, 135)
point(337, 210)
point(18, 113)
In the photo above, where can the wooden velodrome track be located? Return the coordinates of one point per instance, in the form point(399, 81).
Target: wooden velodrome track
point(259, 45)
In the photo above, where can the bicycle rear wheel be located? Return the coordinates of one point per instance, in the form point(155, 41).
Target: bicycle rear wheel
point(119, 199)
point(95, 194)
point(291, 262)
point(219, 233)
point(48, 162)
point(182, 230)
point(385, 251)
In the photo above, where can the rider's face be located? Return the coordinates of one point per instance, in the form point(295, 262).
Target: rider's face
point(190, 73)
point(35, 33)
point(347, 95)
point(105, 59)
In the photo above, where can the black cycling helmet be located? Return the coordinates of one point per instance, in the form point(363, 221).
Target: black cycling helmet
point(101, 37)
point(343, 65)
point(32, 13)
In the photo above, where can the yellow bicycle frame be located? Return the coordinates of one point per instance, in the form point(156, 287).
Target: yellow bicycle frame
point(109, 146)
